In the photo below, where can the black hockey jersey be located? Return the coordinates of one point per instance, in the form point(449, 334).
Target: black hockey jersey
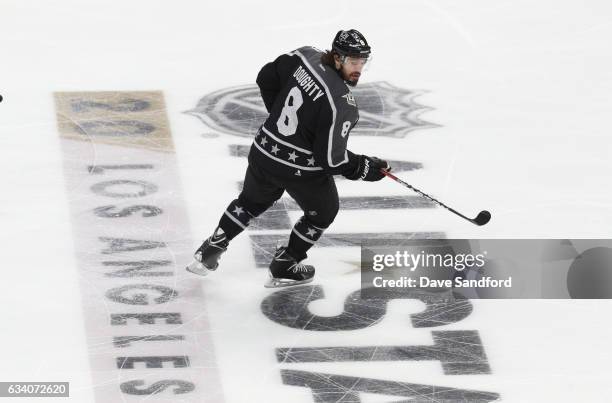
point(311, 113)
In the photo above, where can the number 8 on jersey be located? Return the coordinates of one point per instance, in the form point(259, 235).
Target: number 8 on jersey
point(288, 120)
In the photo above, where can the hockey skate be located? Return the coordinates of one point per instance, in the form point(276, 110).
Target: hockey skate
point(286, 271)
point(206, 258)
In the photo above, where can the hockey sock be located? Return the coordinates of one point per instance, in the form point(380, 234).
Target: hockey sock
point(303, 237)
point(235, 219)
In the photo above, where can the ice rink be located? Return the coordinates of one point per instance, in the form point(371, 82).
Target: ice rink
point(124, 131)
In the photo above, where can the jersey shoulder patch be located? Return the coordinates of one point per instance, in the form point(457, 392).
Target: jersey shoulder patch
point(350, 99)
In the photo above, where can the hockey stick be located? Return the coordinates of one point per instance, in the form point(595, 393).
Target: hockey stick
point(481, 219)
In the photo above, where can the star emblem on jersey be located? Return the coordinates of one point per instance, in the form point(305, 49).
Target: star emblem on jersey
point(311, 232)
point(350, 99)
point(292, 156)
point(311, 161)
point(274, 149)
point(264, 141)
point(238, 211)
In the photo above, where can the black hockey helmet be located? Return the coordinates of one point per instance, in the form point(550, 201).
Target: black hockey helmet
point(351, 43)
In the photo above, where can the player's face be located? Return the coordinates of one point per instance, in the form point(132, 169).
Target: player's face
point(351, 68)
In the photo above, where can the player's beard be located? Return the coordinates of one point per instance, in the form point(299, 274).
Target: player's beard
point(353, 78)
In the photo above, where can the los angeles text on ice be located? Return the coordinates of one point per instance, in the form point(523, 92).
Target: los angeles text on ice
point(140, 317)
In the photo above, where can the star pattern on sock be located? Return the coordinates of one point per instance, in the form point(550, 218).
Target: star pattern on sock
point(292, 156)
point(238, 210)
point(264, 141)
point(274, 149)
point(311, 161)
point(311, 232)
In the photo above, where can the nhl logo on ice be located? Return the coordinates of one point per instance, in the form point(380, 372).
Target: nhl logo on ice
point(384, 110)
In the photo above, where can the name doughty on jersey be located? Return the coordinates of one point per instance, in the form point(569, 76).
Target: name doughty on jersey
point(307, 83)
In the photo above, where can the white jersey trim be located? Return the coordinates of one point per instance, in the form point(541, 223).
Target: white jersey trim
point(284, 142)
point(267, 154)
point(334, 112)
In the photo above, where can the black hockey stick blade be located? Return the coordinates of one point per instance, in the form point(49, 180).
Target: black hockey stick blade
point(482, 218)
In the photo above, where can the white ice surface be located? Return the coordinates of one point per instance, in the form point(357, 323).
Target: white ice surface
point(522, 93)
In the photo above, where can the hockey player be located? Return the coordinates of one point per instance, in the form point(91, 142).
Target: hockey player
point(298, 149)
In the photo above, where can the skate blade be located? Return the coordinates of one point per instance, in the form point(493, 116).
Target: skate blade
point(197, 268)
point(283, 282)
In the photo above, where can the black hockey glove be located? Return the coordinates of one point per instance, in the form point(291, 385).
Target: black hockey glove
point(368, 169)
